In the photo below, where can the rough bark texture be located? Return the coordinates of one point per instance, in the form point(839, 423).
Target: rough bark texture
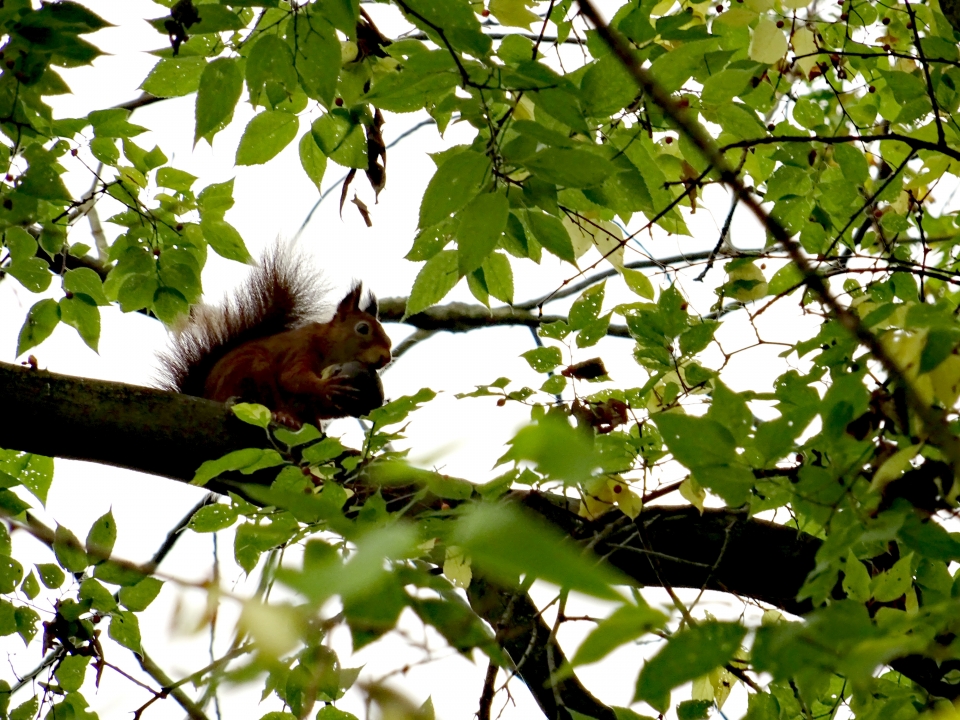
point(171, 435)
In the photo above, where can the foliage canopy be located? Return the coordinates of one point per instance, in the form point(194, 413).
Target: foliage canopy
point(835, 123)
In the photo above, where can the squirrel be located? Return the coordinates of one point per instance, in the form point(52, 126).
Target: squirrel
point(266, 345)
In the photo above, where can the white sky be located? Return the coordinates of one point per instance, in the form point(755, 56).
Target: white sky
point(459, 437)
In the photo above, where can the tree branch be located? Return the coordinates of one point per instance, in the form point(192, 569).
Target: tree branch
point(171, 435)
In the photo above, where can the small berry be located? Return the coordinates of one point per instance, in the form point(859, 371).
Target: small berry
point(68, 295)
point(501, 402)
point(763, 266)
point(779, 23)
point(9, 177)
point(872, 89)
point(886, 47)
point(8, 203)
point(683, 306)
point(668, 139)
point(485, 12)
point(156, 252)
point(909, 26)
point(771, 127)
point(886, 21)
point(683, 102)
point(843, 17)
point(179, 227)
point(73, 151)
point(338, 102)
point(617, 489)
point(719, 8)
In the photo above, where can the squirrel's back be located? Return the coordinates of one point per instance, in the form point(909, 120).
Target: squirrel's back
point(283, 292)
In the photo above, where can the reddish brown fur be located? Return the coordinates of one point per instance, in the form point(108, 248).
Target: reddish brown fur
point(265, 346)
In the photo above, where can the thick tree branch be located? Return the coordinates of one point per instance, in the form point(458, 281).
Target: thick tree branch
point(170, 435)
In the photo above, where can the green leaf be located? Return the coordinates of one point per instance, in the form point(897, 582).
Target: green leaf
point(245, 461)
point(696, 441)
point(543, 359)
point(627, 623)
point(507, 543)
point(265, 136)
point(724, 86)
point(8, 620)
point(327, 712)
point(784, 279)
point(99, 597)
point(570, 168)
point(41, 320)
point(27, 620)
point(71, 671)
point(397, 410)
point(270, 60)
point(312, 159)
point(85, 281)
point(253, 414)
point(175, 77)
point(560, 451)
point(225, 240)
point(125, 629)
point(175, 179)
point(551, 233)
point(33, 273)
point(482, 222)
point(498, 276)
point(138, 597)
point(586, 308)
point(341, 139)
point(638, 283)
point(457, 181)
point(102, 536)
point(11, 574)
point(436, 278)
point(212, 518)
point(70, 553)
point(317, 55)
point(50, 575)
point(688, 654)
point(856, 579)
point(82, 314)
point(217, 96)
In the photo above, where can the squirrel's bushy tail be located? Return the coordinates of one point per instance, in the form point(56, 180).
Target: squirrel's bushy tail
point(284, 291)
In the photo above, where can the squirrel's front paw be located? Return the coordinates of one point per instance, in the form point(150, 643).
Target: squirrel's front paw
point(281, 417)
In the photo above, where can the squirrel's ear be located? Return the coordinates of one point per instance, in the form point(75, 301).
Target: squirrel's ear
point(351, 303)
point(371, 306)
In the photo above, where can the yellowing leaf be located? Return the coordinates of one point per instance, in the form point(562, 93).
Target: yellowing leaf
point(513, 13)
point(590, 232)
point(804, 45)
point(274, 628)
point(691, 491)
point(524, 109)
point(768, 44)
point(945, 379)
point(456, 567)
point(627, 500)
point(894, 466)
point(748, 273)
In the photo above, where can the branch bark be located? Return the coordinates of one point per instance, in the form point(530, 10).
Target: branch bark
point(170, 435)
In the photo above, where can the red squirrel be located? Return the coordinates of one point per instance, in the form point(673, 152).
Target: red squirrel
point(265, 345)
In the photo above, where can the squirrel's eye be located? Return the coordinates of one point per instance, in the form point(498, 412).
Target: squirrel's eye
point(363, 328)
